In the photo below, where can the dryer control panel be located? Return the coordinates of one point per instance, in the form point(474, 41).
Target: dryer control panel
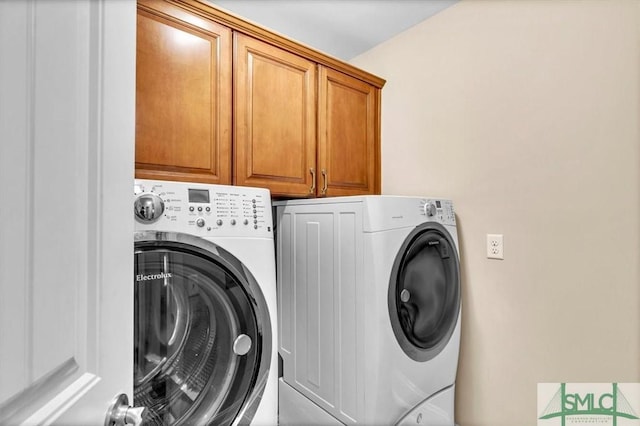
point(202, 209)
point(438, 210)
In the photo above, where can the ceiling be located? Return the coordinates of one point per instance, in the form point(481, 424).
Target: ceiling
point(342, 28)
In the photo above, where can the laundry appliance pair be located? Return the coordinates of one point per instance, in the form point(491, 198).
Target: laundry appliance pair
point(369, 303)
point(369, 310)
point(205, 305)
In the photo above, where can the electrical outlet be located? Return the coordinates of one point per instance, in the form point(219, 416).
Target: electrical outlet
point(495, 246)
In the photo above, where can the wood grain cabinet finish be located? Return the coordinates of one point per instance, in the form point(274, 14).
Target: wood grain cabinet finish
point(183, 95)
point(221, 100)
point(277, 144)
point(348, 135)
point(274, 118)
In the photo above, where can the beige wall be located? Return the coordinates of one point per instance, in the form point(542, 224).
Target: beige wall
point(526, 113)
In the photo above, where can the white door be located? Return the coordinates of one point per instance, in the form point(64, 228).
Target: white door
point(67, 114)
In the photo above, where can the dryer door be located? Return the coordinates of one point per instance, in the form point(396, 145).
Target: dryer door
point(424, 291)
point(202, 333)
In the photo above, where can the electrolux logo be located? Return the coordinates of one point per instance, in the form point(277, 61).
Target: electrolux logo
point(562, 404)
point(160, 276)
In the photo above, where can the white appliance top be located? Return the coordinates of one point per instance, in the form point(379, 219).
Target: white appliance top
point(205, 210)
point(384, 212)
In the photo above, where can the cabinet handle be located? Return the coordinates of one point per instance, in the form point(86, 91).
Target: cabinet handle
point(324, 186)
point(312, 190)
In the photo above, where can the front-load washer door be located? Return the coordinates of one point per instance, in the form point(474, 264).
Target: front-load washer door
point(424, 291)
point(202, 333)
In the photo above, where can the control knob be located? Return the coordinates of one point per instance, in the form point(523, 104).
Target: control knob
point(429, 209)
point(148, 207)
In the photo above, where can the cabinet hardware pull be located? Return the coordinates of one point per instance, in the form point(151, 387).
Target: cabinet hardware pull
point(312, 190)
point(324, 186)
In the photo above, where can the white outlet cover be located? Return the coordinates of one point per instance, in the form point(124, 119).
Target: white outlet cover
point(495, 246)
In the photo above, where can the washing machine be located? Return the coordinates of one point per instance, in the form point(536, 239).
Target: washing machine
point(205, 304)
point(369, 299)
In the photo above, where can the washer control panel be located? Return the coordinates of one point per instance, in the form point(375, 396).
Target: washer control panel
point(438, 210)
point(202, 209)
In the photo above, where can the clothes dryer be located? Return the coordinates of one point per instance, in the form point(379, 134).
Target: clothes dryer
point(369, 303)
point(205, 304)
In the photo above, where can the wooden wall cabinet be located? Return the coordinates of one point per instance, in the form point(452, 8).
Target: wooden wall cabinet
point(348, 135)
point(221, 100)
point(183, 95)
point(277, 144)
point(274, 118)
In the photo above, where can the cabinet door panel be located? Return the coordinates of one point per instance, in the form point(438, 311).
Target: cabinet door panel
point(183, 102)
point(348, 141)
point(274, 118)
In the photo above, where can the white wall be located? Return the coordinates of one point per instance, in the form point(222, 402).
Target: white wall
point(526, 113)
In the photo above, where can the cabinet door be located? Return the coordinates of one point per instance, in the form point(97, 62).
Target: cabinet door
point(348, 135)
point(183, 96)
point(274, 118)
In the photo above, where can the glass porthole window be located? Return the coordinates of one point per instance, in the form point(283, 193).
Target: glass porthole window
point(199, 344)
point(424, 291)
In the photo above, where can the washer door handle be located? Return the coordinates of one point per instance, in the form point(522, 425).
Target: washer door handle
point(242, 345)
point(120, 413)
